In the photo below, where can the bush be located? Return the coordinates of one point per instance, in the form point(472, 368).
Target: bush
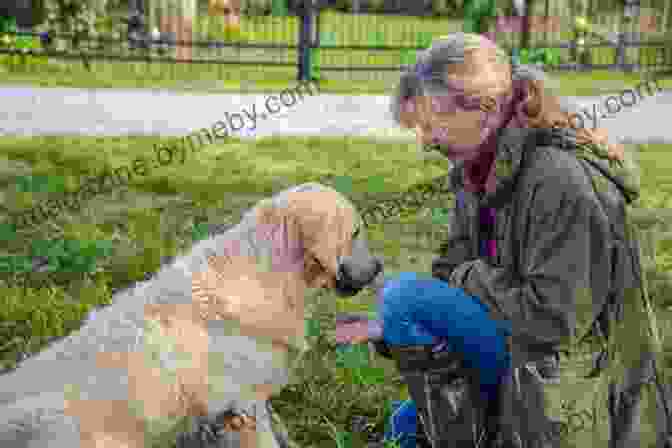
point(256, 7)
point(73, 18)
point(443, 7)
point(22, 45)
point(375, 5)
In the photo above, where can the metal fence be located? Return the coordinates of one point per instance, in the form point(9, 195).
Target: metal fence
point(313, 45)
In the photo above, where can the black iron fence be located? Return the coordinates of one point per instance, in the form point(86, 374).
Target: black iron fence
point(309, 46)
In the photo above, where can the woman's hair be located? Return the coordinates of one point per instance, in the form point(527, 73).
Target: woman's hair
point(409, 87)
point(538, 106)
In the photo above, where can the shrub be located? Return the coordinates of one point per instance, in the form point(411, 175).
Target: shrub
point(256, 7)
point(443, 7)
point(76, 19)
point(21, 44)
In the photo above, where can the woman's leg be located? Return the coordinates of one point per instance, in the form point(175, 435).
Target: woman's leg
point(403, 425)
point(417, 311)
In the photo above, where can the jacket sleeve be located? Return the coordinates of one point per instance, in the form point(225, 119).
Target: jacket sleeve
point(564, 261)
point(457, 249)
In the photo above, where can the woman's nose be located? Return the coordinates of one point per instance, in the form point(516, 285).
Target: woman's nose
point(424, 137)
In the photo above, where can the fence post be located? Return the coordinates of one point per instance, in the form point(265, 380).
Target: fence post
point(620, 51)
point(307, 39)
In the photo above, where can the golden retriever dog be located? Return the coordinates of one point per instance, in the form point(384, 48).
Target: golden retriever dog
point(192, 355)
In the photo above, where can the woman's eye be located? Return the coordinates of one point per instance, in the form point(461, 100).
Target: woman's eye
point(469, 102)
point(442, 105)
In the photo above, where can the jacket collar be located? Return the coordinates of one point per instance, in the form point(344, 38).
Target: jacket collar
point(514, 144)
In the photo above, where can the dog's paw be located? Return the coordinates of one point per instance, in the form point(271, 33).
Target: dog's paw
point(222, 431)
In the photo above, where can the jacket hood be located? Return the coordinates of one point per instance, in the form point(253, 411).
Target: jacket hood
point(514, 143)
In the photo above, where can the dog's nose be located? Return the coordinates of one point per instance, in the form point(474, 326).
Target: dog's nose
point(379, 268)
point(362, 275)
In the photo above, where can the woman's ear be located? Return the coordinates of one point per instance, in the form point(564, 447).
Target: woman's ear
point(408, 111)
point(488, 103)
point(531, 93)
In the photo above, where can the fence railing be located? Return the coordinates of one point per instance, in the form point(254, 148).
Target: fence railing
point(311, 47)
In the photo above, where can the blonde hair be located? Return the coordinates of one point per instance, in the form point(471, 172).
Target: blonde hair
point(478, 64)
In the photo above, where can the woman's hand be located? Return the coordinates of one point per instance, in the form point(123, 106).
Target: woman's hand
point(615, 151)
point(352, 332)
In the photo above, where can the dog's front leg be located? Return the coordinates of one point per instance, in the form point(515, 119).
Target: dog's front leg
point(106, 424)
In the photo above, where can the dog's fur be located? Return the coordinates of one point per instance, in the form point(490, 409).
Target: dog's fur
point(115, 383)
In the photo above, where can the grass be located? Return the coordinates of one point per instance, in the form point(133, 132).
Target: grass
point(161, 214)
point(262, 76)
point(264, 79)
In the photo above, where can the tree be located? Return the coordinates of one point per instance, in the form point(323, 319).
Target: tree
point(477, 13)
point(28, 13)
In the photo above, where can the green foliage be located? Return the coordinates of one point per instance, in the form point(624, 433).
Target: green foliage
point(313, 329)
point(7, 231)
point(450, 8)
point(343, 439)
point(376, 184)
point(75, 18)
point(343, 184)
point(200, 231)
point(354, 362)
point(543, 56)
point(20, 44)
point(62, 255)
point(18, 264)
point(71, 255)
point(440, 216)
point(41, 184)
point(256, 7)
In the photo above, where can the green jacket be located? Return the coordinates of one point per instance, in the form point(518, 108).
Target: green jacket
point(566, 255)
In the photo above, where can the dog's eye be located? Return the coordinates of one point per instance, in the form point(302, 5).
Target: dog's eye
point(319, 264)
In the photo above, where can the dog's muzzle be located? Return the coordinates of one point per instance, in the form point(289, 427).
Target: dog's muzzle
point(349, 284)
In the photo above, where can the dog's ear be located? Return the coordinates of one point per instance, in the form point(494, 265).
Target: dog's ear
point(326, 222)
point(279, 232)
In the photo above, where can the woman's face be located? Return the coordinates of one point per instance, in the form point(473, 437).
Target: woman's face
point(457, 118)
point(438, 122)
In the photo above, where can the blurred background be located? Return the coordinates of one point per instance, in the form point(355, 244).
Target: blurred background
point(349, 45)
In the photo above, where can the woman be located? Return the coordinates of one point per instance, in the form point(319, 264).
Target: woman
point(540, 243)
point(177, 17)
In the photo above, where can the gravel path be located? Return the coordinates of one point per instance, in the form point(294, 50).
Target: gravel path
point(117, 112)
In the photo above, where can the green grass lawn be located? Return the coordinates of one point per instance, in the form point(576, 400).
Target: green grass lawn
point(262, 76)
point(161, 214)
